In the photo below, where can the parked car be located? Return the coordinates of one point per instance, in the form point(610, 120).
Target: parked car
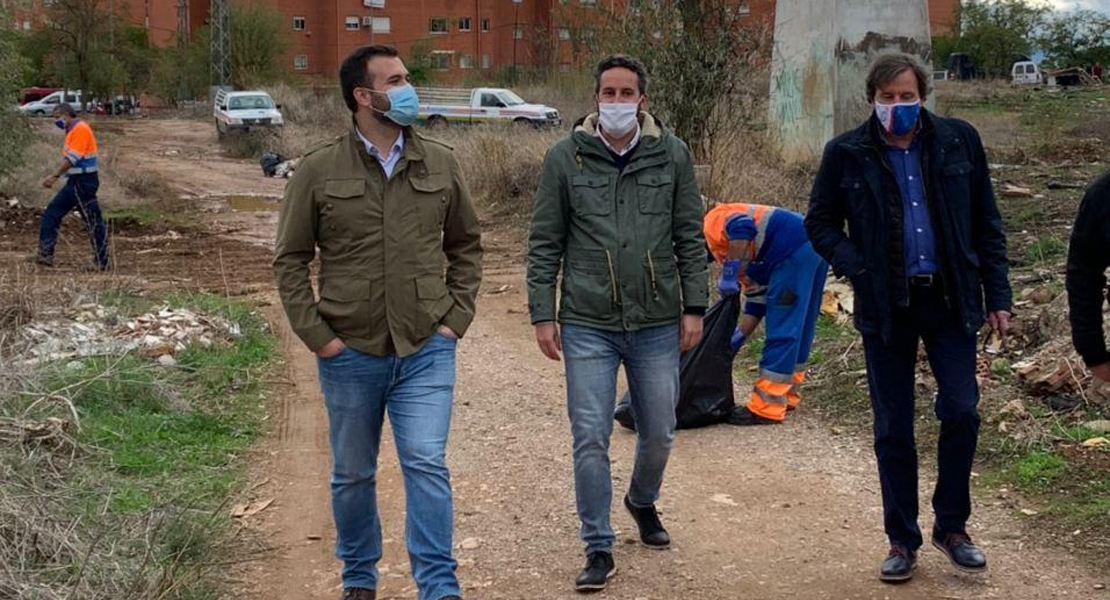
point(244, 111)
point(34, 93)
point(45, 106)
point(440, 107)
point(1026, 72)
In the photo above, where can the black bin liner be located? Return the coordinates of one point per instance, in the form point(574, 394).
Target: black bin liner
point(269, 163)
point(705, 395)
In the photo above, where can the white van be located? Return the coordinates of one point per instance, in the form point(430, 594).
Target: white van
point(45, 106)
point(1027, 73)
point(243, 111)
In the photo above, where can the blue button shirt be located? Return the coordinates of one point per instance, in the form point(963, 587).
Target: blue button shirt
point(919, 240)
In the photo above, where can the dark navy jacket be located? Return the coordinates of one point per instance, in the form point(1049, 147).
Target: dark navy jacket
point(856, 185)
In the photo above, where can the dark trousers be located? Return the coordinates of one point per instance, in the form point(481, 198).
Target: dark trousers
point(79, 193)
point(890, 376)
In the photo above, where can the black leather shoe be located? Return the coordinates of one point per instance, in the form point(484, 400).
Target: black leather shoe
point(623, 415)
point(742, 416)
point(898, 566)
point(599, 568)
point(651, 529)
point(358, 594)
point(959, 549)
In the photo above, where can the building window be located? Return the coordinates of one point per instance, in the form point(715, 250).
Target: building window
point(464, 24)
point(589, 2)
point(441, 60)
point(298, 23)
point(373, 3)
point(485, 61)
point(300, 62)
point(518, 33)
point(744, 10)
point(438, 25)
point(485, 24)
point(466, 61)
point(380, 24)
point(351, 24)
point(564, 33)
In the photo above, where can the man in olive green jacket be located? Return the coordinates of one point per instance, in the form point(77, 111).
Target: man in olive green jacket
point(619, 213)
point(399, 248)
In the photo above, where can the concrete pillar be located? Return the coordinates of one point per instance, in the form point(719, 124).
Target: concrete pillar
point(819, 66)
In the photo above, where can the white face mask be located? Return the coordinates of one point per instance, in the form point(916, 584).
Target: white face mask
point(618, 119)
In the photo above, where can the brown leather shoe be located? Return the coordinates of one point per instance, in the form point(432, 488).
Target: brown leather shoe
point(358, 594)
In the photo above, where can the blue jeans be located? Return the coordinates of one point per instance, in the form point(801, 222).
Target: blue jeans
point(417, 392)
point(592, 356)
point(890, 376)
point(79, 193)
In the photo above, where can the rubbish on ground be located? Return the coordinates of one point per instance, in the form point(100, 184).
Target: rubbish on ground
point(1065, 185)
point(276, 165)
point(1099, 442)
point(1010, 190)
point(1100, 426)
point(240, 511)
point(844, 297)
point(723, 499)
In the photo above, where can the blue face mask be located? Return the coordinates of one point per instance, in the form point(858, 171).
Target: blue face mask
point(898, 119)
point(60, 123)
point(404, 106)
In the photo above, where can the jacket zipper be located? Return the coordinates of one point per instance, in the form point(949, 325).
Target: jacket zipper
point(612, 278)
point(651, 268)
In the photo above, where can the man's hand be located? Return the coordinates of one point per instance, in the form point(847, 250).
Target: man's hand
point(447, 332)
point(547, 336)
point(49, 181)
point(737, 340)
point(729, 284)
point(331, 349)
point(1102, 371)
point(999, 321)
point(691, 331)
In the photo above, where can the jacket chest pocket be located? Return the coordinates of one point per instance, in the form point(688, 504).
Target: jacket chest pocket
point(655, 192)
point(590, 195)
point(857, 196)
point(343, 207)
point(430, 198)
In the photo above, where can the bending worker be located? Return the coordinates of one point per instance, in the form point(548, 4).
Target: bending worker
point(765, 251)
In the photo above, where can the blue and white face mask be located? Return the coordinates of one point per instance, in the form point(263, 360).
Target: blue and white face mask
point(404, 105)
point(899, 119)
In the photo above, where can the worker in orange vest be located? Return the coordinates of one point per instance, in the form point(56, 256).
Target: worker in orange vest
point(764, 251)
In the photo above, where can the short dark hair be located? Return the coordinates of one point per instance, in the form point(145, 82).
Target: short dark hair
point(352, 73)
point(621, 61)
point(65, 108)
point(887, 68)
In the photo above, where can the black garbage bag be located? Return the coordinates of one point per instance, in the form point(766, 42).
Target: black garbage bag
point(269, 163)
point(705, 395)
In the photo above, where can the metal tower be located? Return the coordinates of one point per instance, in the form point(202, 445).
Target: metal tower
point(221, 43)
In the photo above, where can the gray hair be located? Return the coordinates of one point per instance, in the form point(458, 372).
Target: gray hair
point(887, 68)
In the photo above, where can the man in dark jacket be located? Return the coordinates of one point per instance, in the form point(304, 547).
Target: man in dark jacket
point(1088, 258)
point(924, 249)
point(618, 214)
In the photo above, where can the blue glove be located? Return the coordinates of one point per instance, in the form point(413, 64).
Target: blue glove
point(729, 285)
point(737, 340)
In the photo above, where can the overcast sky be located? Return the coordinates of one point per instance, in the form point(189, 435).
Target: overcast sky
point(1101, 5)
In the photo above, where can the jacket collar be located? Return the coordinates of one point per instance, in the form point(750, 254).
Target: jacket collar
point(651, 132)
point(414, 146)
point(869, 137)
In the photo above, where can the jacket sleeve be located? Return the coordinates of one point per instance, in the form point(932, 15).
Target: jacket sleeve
point(294, 251)
point(462, 245)
point(1088, 257)
point(826, 218)
point(687, 215)
point(547, 239)
point(987, 231)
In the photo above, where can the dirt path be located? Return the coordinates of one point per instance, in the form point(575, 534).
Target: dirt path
point(775, 512)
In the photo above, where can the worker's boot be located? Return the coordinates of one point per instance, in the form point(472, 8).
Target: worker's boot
point(38, 259)
point(742, 416)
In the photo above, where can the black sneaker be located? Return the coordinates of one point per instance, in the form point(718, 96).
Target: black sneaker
point(742, 416)
point(898, 566)
point(959, 549)
point(623, 415)
point(651, 529)
point(599, 568)
point(38, 259)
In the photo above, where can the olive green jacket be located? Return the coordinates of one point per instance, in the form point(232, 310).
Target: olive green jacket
point(629, 242)
point(398, 258)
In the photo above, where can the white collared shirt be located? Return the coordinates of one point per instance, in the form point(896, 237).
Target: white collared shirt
point(388, 163)
point(628, 148)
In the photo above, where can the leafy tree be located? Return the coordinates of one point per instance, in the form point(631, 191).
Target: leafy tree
point(994, 33)
point(1076, 39)
point(259, 41)
point(15, 128)
point(78, 31)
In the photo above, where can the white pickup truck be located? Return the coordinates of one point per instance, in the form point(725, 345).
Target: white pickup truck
point(243, 111)
point(440, 107)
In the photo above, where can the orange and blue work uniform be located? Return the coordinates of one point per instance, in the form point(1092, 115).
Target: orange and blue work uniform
point(783, 280)
point(82, 183)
